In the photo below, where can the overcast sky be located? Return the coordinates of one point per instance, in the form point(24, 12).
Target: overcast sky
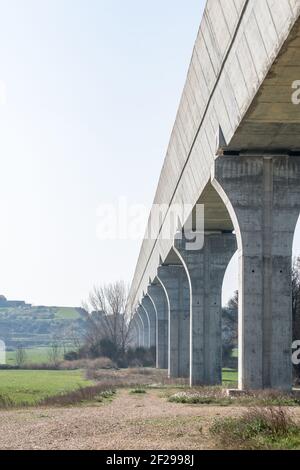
point(88, 96)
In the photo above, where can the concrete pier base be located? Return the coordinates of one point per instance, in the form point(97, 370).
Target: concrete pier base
point(205, 269)
point(149, 307)
point(140, 326)
point(135, 333)
point(145, 326)
point(158, 297)
point(262, 195)
point(175, 284)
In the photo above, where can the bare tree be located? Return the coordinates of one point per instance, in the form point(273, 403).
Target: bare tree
point(20, 356)
point(230, 328)
point(74, 337)
point(54, 353)
point(108, 316)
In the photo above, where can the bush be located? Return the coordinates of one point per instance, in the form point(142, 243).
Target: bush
point(92, 364)
point(71, 356)
point(108, 349)
point(255, 428)
point(141, 357)
point(5, 402)
point(80, 395)
point(138, 391)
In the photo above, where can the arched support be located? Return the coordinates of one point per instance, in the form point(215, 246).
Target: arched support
point(135, 333)
point(205, 270)
point(137, 336)
point(151, 312)
point(175, 284)
point(262, 195)
point(141, 329)
point(146, 321)
point(158, 297)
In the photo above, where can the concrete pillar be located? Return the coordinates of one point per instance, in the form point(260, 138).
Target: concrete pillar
point(158, 297)
point(175, 283)
point(262, 194)
point(151, 312)
point(136, 327)
point(146, 325)
point(141, 330)
point(205, 269)
point(134, 334)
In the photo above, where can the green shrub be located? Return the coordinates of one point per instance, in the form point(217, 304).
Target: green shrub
point(138, 391)
point(257, 427)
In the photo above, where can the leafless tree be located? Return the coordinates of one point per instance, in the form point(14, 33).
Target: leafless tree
point(20, 356)
point(54, 353)
point(108, 316)
point(74, 337)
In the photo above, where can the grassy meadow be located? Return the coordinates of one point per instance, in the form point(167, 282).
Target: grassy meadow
point(33, 356)
point(230, 378)
point(31, 386)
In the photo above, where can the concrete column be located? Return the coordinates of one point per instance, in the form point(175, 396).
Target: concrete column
point(158, 297)
point(134, 341)
point(146, 323)
point(262, 194)
point(138, 331)
point(205, 269)
point(141, 330)
point(175, 283)
point(149, 307)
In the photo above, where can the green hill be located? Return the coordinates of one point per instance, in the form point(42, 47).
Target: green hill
point(39, 327)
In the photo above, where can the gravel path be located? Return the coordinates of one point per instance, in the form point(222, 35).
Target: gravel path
point(130, 421)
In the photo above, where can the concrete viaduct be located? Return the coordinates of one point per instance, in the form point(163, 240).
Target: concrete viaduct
point(235, 148)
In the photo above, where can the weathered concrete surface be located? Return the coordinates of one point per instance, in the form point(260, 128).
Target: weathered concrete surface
point(145, 326)
point(245, 57)
point(140, 326)
point(238, 88)
point(158, 297)
point(135, 340)
point(262, 194)
point(205, 269)
point(151, 312)
point(174, 281)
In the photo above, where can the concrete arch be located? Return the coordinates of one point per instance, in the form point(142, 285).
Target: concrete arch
point(2, 352)
point(205, 269)
point(156, 316)
point(136, 330)
point(174, 281)
point(262, 195)
point(169, 315)
point(141, 330)
point(159, 299)
point(156, 330)
point(181, 259)
point(152, 315)
point(147, 327)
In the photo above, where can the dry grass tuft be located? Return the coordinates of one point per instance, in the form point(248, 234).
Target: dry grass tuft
point(258, 427)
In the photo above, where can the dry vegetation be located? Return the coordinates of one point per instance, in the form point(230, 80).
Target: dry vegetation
point(258, 428)
point(141, 409)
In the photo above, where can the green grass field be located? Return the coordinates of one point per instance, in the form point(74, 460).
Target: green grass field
point(230, 377)
point(29, 387)
point(235, 353)
point(67, 313)
point(33, 355)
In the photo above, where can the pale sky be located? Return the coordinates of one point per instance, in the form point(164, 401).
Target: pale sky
point(89, 91)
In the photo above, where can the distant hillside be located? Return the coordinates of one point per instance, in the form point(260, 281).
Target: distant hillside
point(40, 326)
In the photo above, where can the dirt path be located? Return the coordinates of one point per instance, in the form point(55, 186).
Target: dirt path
point(129, 422)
